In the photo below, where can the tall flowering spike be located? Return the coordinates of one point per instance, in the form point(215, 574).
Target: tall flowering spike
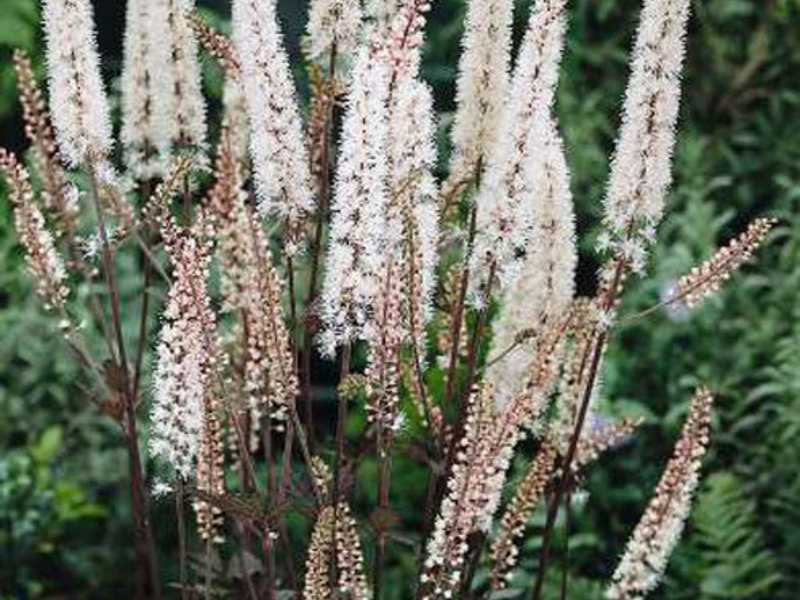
point(141, 133)
point(476, 480)
point(78, 100)
point(252, 288)
point(413, 211)
point(706, 279)
point(186, 356)
point(280, 161)
point(58, 194)
point(182, 110)
point(351, 581)
point(544, 289)
point(505, 204)
point(403, 40)
point(640, 171)
point(356, 252)
point(482, 84)
point(210, 471)
point(659, 529)
point(333, 22)
point(385, 343)
point(317, 585)
point(512, 523)
point(162, 99)
point(44, 263)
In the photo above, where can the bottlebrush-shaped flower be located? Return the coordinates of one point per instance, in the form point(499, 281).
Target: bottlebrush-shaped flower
point(640, 170)
point(335, 526)
point(654, 538)
point(58, 194)
point(544, 289)
point(477, 477)
point(482, 85)
point(41, 257)
point(280, 161)
point(252, 288)
point(706, 279)
point(186, 356)
point(512, 523)
point(358, 225)
point(505, 203)
point(78, 100)
point(412, 211)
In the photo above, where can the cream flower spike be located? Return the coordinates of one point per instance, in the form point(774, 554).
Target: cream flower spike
point(482, 85)
point(78, 99)
point(545, 286)
point(280, 161)
point(358, 224)
point(505, 209)
point(640, 170)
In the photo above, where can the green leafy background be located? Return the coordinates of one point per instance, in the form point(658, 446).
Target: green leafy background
point(64, 530)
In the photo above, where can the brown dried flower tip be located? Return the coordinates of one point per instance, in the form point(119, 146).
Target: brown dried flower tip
point(44, 263)
point(58, 194)
point(707, 278)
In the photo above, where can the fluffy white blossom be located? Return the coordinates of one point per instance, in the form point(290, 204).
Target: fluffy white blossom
point(482, 84)
point(545, 286)
point(333, 21)
point(185, 360)
point(280, 161)
point(78, 100)
point(505, 203)
point(358, 224)
point(162, 100)
point(640, 171)
point(413, 213)
point(182, 110)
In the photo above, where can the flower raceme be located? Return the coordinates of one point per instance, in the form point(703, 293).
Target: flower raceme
point(481, 259)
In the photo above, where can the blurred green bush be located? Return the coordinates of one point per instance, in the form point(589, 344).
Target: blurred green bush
point(62, 471)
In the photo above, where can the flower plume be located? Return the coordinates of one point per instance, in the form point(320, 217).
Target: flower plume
point(482, 84)
point(280, 161)
point(505, 210)
point(640, 170)
point(78, 100)
point(654, 538)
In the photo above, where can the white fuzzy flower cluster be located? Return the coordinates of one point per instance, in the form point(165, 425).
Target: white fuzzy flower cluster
point(545, 286)
point(640, 171)
point(186, 355)
point(657, 533)
point(78, 99)
point(481, 86)
point(505, 203)
point(358, 224)
point(162, 101)
point(333, 22)
point(413, 213)
point(280, 160)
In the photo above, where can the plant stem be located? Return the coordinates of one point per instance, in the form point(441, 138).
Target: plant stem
point(181, 538)
point(143, 536)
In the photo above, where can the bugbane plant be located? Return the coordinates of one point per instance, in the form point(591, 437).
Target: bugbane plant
point(322, 232)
